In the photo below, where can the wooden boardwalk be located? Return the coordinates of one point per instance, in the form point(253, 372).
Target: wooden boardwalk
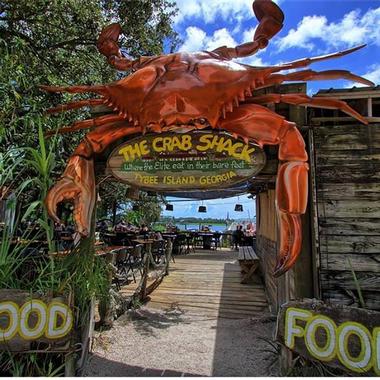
point(207, 284)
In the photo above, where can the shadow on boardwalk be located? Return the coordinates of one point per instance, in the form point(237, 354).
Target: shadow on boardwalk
point(112, 368)
point(200, 322)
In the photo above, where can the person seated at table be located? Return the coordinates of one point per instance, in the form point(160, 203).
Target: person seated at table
point(250, 230)
point(121, 226)
point(102, 226)
point(237, 236)
point(170, 228)
point(158, 235)
point(144, 229)
point(130, 227)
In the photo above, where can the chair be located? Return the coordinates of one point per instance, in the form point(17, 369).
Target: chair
point(215, 241)
point(179, 244)
point(158, 250)
point(118, 261)
point(121, 260)
point(198, 240)
point(135, 260)
point(190, 240)
point(124, 238)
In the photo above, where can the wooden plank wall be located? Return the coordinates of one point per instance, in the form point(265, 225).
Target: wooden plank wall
point(347, 163)
point(268, 222)
point(278, 290)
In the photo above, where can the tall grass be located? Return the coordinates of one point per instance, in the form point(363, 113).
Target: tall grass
point(80, 273)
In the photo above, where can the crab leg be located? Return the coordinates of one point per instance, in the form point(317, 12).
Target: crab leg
point(270, 18)
point(305, 100)
point(75, 105)
point(107, 45)
point(78, 180)
point(89, 123)
point(73, 89)
point(304, 62)
point(263, 126)
point(314, 75)
point(306, 75)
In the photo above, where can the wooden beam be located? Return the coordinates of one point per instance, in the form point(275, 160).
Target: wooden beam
point(342, 119)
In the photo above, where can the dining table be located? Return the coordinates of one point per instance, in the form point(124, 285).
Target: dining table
point(207, 239)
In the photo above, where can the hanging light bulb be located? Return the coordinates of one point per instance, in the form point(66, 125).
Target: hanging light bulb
point(202, 208)
point(238, 207)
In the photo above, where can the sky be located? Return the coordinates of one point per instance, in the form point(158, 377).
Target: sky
point(311, 28)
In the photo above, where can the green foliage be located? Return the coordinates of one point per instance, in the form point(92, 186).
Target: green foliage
point(357, 285)
point(81, 273)
point(53, 42)
point(148, 210)
point(31, 364)
point(114, 200)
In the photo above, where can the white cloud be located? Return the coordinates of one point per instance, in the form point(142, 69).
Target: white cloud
point(221, 37)
point(248, 34)
point(209, 10)
point(373, 74)
point(196, 39)
point(253, 60)
point(352, 29)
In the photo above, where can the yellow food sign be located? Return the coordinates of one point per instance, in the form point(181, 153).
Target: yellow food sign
point(172, 161)
point(47, 316)
point(343, 337)
point(31, 322)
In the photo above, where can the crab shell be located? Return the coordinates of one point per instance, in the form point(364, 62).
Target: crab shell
point(180, 88)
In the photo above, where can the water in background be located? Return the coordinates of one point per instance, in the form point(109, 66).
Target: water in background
point(195, 227)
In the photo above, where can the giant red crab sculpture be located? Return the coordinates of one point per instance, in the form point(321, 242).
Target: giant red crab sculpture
point(184, 91)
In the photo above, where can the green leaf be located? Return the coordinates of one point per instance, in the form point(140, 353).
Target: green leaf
point(31, 208)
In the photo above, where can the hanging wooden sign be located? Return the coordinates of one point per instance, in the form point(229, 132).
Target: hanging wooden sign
point(30, 322)
point(342, 337)
point(196, 161)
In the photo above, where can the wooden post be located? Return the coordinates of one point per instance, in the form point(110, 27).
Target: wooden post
point(70, 363)
point(86, 249)
point(168, 255)
point(314, 218)
point(141, 290)
point(114, 211)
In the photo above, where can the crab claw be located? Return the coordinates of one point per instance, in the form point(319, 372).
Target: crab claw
point(78, 185)
point(108, 46)
point(291, 241)
point(107, 41)
point(271, 19)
